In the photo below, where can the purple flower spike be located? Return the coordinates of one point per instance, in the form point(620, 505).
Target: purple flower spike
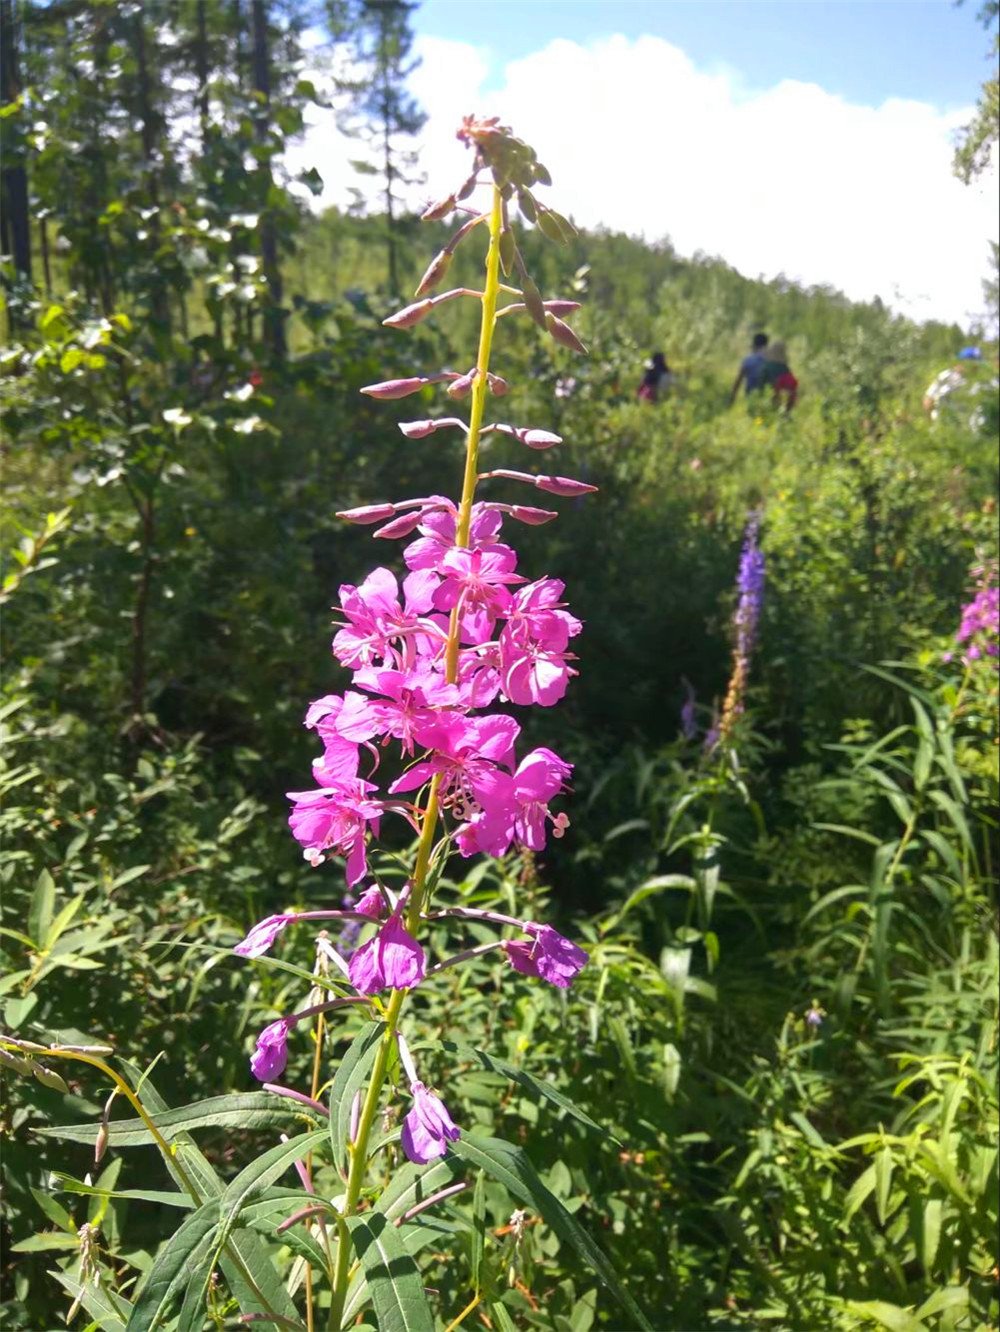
point(428, 1128)
point(269, 1059)
point(393, 960)
point(262, 936)
point(550, 956)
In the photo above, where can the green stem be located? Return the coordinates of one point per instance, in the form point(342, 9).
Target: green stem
point(425, 848)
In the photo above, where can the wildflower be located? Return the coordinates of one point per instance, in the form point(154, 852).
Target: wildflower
point(371, 903)
point(428, 1128)
point(689, 725)
point(336, 817)
point(815, 1015)
point(392, 960)
point(271, 1055)
point(262, 936)
point(750, 586)
point(980, 626)
point(549, 955)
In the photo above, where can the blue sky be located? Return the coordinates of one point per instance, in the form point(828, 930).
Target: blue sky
point(863, 50)
point(807, 138)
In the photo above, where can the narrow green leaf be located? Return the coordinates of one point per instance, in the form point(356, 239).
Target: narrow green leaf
point(412, 1184)
point(890, 1316)
point(394, 1282)
point(171, 1269)
point(352, 1072)
point(858, 1192)
point(930, 1236)
point(883, 1182)
point(512, 1168)
point(249, 1110)
point(108, 1310)
point(477, 1244)
point(43, 901)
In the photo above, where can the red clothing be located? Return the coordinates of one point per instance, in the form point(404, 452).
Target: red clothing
point(786, 386)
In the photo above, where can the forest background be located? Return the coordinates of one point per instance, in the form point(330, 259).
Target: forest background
point(789, 1019)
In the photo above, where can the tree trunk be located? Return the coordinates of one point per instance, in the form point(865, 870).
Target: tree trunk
point(14, 174)
point(159, 300)
point(274, 318)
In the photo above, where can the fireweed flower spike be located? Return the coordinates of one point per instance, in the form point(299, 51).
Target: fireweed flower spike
point(434, 658)
point(750, 589)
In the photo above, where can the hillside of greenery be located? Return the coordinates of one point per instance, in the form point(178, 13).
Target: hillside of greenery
point(786, 1031)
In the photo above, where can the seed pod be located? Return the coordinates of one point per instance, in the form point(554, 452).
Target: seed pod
point(563, 334)
point(436, 270)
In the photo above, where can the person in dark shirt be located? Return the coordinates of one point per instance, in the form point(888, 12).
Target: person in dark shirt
point(658, 379)
point(751, 368)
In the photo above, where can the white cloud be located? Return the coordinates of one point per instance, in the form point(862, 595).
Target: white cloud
point(788, 179)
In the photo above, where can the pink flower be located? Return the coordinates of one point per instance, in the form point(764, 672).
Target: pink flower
point(476, 581)
point(262, 936)
point(336, 818)
point(375, 618)
point(271, 1055)
point(428, 1128)
point(412, 701)
point(516, 807)
point(549, 955)
point(392, 960)
point(438, 535)
point(343, 723)
point(466, 753)
point(533, 659)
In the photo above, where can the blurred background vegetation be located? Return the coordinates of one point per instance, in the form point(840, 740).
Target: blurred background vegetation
point(789, 1020)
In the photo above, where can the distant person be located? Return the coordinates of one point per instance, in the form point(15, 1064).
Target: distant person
point(751, 368)
point(778, 377)
point(658, 380)
point(949, 382)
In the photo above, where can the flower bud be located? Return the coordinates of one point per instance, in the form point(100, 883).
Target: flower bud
point(436, 270)
point(459, 388)
point(468, 186)
point(436, 211)
point(101, 1143)
point(410, 314)
point(421, 429)
point(401, 526)
point(563, 485)
point(562, 333)
point(396, 388)
point(523, 513)
point(367, 513)
point(534, 439)
point(562, 307)
point(498, 385)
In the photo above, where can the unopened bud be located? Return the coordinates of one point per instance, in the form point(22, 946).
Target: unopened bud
point(498, 385)
point(101, 1144)
point(436, 211)
point(436, 270)
point(421, 429)
point(534, 439)
point(401, 526)
point(396, 388)
point(466, 189)
point(48, 1077)
point(367, 513)
point(459, 388)
point(523, 513)
point(410, 314)
point(562, 333)
point(562, 307)
point(563, 485)
point(355, 1120)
